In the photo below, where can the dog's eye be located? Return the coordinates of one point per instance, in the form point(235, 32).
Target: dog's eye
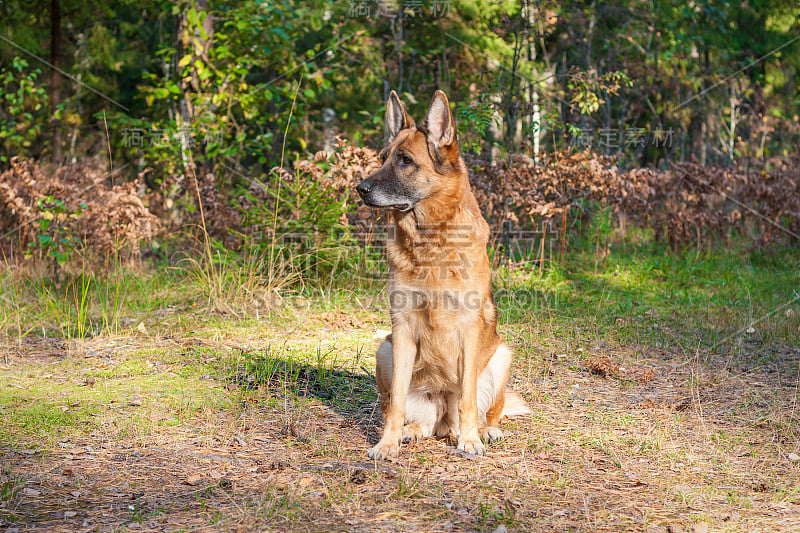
point(404, 160)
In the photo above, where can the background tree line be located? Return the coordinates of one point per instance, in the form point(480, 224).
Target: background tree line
point(185, 97)
point(722, 76)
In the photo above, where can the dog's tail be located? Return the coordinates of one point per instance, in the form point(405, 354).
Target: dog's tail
point(515, 405)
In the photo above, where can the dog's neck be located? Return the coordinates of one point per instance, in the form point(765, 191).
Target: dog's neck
point(432, 228)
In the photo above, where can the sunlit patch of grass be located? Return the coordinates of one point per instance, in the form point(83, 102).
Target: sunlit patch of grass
point(654, 296)
point(37, 418)
point(132, 396)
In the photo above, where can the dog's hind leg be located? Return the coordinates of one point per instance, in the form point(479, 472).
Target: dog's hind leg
point(492, 394)
point(422, 411)
point(421, 415)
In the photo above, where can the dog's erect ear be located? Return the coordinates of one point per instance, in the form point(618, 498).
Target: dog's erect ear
point(439, 122)
point(396, 117)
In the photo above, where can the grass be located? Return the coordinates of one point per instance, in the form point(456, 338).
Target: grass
point(709, 299)
point(664, 390)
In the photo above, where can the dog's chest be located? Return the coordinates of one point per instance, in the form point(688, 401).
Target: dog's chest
point(439, 320)
point(433, 309)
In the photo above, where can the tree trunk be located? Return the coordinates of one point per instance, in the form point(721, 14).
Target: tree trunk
point(184, 117)
point(80, 56)
point(397, 33)
point(55, 77)
point(512, 98)
point(193, 41)
point(533, 92)
point(733, 121)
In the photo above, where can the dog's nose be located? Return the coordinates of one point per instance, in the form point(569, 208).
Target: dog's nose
point(364, 187)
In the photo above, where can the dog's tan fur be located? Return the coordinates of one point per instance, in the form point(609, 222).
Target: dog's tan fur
point(443, 370)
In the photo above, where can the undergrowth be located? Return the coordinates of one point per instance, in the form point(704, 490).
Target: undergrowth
point(635, 290)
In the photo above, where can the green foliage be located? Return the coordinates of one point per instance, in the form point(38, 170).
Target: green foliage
point(23, 113)
point(302, 221)
point(587, 89)
point(55, 238)
point(473, 120)
point(225, 73)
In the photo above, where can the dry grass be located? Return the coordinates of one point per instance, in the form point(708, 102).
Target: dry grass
point(162, 430)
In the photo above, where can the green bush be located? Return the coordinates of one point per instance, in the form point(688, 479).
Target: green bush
point(23, 112)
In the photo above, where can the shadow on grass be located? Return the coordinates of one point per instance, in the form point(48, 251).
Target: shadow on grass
point(350, 394)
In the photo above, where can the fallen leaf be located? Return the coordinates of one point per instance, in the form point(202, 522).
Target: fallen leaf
point(31, 492)
point(194, 479)
point(793, 457)
point(135, 400)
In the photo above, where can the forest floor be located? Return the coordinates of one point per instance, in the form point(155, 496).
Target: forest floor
point(658, 405)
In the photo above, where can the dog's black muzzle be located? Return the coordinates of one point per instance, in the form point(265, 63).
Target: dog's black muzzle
point(376, 194)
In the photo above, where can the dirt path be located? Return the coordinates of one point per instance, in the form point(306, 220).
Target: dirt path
point(635, 439)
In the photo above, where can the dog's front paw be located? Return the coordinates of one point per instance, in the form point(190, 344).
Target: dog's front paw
point(384, 450)
point(490, 434)
point(473, 446)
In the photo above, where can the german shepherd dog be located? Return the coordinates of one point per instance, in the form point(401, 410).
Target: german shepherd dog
point(443, 370)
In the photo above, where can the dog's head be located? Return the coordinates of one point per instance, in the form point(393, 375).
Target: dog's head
point(418, 161)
